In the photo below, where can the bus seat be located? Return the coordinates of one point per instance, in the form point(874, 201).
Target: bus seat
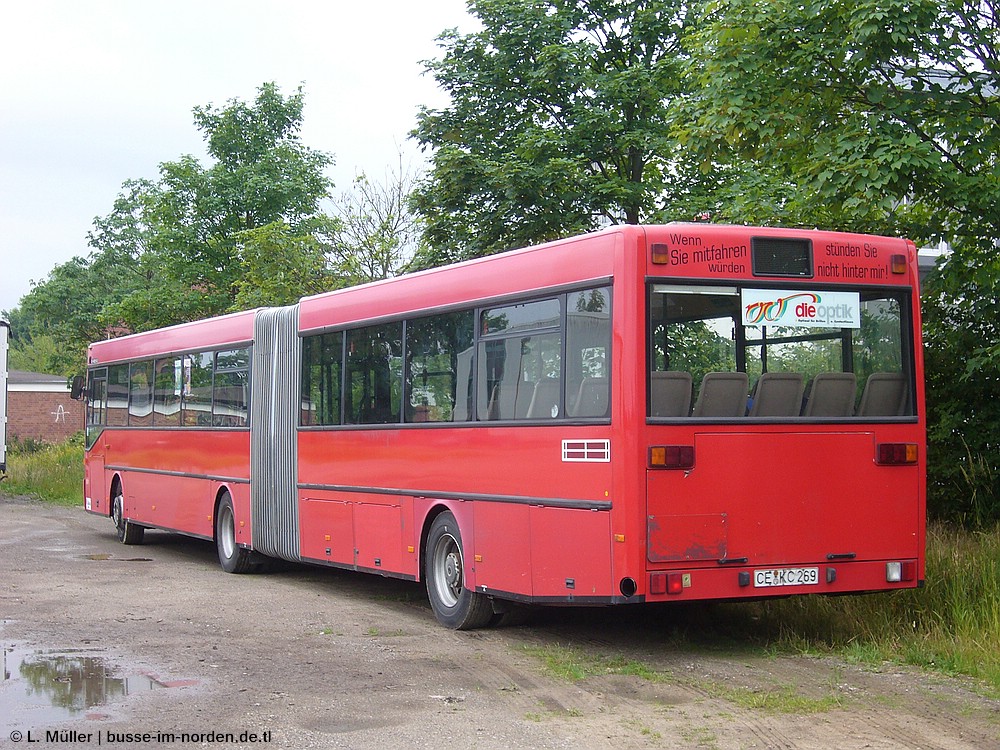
point(493, 409)
point(669, 394)
point(545, 400)
point(525, 391)
point(722, 394)
point(591, 398)
point(777, 394)
point(885, 395)
point(831, 394)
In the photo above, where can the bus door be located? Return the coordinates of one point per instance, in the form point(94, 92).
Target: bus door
point(96, 491)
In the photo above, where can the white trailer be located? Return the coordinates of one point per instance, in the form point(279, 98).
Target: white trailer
point(4, 335)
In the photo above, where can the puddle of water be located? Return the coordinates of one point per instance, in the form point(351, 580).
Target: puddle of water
point(49, 685)
point(107, 556)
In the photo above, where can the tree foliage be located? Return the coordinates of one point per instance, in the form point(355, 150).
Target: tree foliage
point(559, 119)
point(886, 110)
point(185, 235)
point(245, 230)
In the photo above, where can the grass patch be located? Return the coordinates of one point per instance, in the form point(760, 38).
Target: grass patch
point(776, 701)
point(571, 663)
point(53, 473)
point(951, 625)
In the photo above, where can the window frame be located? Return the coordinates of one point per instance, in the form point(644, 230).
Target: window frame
point(903, 297)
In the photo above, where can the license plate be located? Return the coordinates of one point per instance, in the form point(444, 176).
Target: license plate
point(785, 577)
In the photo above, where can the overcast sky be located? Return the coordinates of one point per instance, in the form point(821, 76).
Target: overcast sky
point(96, 93)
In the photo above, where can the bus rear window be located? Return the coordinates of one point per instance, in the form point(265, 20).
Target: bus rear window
point(734, 353)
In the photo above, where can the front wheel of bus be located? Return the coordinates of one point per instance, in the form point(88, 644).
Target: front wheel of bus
point(128, 532)
point(454, 605)
point(234, 558)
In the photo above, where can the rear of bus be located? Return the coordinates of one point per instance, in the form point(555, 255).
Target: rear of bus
point(785, 419)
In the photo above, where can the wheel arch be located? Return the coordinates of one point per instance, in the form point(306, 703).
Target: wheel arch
point(462, 511)
point(220, 492)
point(115, 483)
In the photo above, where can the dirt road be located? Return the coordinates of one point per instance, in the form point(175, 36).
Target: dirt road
point(114, 646)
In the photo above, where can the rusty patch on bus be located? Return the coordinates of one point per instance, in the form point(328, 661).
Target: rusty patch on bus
point(677, 538)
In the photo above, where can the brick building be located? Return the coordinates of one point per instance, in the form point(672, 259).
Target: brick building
point(39, 407)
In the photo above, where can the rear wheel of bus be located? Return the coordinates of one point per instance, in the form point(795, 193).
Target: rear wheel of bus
point(454, 605)
point(232, 557)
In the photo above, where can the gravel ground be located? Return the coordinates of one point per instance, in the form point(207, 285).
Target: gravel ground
point(179, 653)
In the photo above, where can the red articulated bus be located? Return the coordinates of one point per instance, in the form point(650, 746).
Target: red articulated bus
point(642, 414)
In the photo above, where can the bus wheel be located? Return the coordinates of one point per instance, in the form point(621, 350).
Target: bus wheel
point(234, 558)
point(454, 605)
point(128, 532)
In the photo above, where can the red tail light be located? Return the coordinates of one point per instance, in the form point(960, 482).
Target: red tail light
point(896, 453)
point(671, 457)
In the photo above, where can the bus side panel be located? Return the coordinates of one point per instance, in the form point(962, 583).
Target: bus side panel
point(95, 487)
point(571, 553)
point(327, 528)
point(502, 552)
point(482, 470)
point(379, 529)
point(354, 529)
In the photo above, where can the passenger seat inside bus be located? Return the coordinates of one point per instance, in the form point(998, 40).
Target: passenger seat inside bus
point(722, 394)
point(592, 398)
point(777, 394)
point(886, 395)
point(831, 394)
point(545, 400)
point(669, 394)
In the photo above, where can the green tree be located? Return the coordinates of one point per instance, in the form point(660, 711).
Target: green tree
point(280, 266)
point(559, 119)
point(880, 114)
point(183, 235)
point(961, 318)
point(54, 322)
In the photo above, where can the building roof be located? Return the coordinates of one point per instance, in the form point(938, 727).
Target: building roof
point(23, 378)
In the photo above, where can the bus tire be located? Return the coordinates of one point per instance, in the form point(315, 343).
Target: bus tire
point(128, 532)
point(454, 605)
point(232, 557)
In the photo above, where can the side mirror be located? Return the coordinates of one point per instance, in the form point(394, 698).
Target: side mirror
point(76, 388)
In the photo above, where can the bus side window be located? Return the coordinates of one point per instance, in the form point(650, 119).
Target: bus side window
point(322, 367)
point(97, 395)
point(230, 388)
point(196, 391)
point(588, 347)
point(439, 354)
point(117, 405)
point(167, 393)
point(374, 374)
point(140, 394)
